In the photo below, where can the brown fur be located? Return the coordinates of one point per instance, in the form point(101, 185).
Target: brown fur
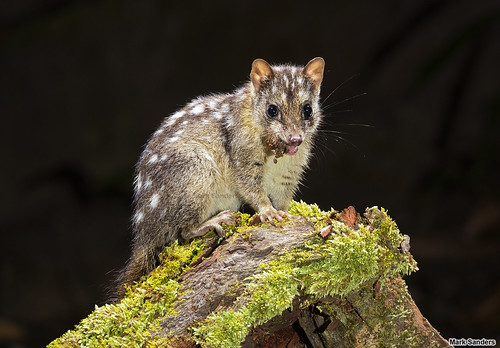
point(220, 152)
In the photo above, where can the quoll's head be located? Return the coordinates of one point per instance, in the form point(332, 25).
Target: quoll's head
point(287, 101)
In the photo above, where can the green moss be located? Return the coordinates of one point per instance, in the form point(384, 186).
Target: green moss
point(133, 321)
point(344, 262)
point(347, 260)
point(392, 313)
point(387, 315)
point(272, 292)
point(311, 211)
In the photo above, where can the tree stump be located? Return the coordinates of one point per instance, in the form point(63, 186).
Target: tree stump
point(319, 279)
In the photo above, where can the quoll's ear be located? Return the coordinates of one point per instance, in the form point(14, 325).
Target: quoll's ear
point(314, 70)
point(261, 71)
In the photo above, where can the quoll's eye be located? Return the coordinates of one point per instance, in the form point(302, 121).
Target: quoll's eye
point(307, 110)
point(272, 111)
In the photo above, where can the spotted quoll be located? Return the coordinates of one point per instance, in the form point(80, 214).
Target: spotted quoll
point(220, 152)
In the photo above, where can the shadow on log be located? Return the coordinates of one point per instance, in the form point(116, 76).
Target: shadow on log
point(320, 279)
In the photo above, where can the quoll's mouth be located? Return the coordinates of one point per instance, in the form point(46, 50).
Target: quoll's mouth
point(293, 143)
point(280, 147)
point(292, 149)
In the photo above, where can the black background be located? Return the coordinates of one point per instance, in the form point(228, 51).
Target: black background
point(84, 83)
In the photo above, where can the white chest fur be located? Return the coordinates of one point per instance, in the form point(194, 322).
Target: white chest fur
point(281, 178)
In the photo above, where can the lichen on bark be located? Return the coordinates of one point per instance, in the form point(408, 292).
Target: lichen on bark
point(267, 281)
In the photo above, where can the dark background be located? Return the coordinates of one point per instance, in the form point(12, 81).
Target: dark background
point(84, 83)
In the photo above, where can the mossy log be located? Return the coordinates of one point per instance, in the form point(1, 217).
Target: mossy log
point(319, 279)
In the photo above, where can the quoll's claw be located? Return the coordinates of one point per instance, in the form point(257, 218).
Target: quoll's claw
point(271, 215)
point(227, 217)
point(284, 214)
point(218, 229)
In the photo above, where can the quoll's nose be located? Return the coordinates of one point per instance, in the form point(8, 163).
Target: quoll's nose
point(295, 140)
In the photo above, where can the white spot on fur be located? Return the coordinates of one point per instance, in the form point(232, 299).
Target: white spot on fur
point(274, 89)
point(138, 217)
point(217, 115)
point(286, 81)
point(153, 158)
point(159, 131)
point(175, 117)
point(212, 104)
point(185, 122)
point(198, 109)
point(179, 132)
point(283, 95)
point(163, 157)
point(205, 121)
point(154, 200)
point(224, 108)
point(171, 140)
point(178, 114)
point(194, 102)
point(138, 182)
point(303, 95)
point(148, 183)
point(300, 80)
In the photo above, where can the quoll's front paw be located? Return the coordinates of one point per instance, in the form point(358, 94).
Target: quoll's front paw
point(268, 215)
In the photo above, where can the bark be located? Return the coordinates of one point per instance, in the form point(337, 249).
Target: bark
point(311, 326)
point(325, 279)
point(229, 263)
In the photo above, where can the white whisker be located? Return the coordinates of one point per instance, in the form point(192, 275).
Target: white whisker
point(343, 83)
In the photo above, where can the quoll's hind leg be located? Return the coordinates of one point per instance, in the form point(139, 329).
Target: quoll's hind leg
point(213, 224)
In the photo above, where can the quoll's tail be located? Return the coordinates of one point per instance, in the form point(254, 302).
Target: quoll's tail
point(140, 264)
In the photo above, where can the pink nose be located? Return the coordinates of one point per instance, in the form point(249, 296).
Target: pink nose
point(295, 140)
